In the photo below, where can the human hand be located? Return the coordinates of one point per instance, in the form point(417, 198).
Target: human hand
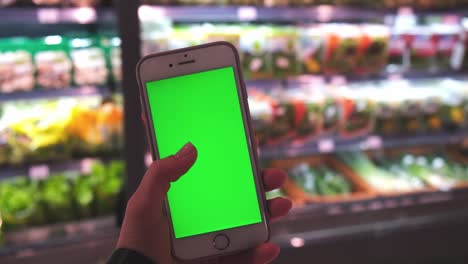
point(146, 229)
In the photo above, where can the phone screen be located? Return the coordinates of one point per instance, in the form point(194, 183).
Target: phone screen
point(219, 191)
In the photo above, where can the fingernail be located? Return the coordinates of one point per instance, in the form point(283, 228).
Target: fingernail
point(186, 151)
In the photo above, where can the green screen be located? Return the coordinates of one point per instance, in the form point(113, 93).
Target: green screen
point(218, 192)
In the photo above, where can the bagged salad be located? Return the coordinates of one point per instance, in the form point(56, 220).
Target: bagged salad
point(16, 66)
point(257, 59)
point(54, 68)
point(282, 45)
point(89, 63)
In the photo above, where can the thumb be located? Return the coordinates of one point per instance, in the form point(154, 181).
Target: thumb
point(156, 182)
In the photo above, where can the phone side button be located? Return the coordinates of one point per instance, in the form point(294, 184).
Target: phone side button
point(221, 242)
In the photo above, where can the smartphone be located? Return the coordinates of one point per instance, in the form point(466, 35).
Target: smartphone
point(197, 95)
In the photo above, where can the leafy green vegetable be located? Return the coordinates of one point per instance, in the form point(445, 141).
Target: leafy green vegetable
point(320, 180)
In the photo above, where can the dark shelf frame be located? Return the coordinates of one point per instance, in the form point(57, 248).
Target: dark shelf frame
point(82, 91)
point(56, 15)
point(281, 14)
point(370, 142)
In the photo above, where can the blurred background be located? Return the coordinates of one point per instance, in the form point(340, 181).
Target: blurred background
point(363, 102)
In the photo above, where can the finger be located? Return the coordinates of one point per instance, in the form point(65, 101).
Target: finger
point(273, 178)
point(279, 207)
point(156, 182)
point(265, 253)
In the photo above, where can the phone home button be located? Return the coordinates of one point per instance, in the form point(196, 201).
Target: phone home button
point(221, 242)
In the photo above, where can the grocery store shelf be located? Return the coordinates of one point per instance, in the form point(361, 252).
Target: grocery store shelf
point(321, 13)
point(67, 92)
point(44, 237)
point(336, 144)
point(293, 81)
point(318, 222)
point(42, 170)
point(49, 15)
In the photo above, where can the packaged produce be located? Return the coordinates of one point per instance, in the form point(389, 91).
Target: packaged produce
point(387, 111)
point(455, 104)
point(155, 34)
point(257, 62)
point(229, 33)
point(420, 167)
point(89, 63)
point(311, 49)
point(448, 167)
point(423, 48)
point(84, 195)
point(37, 132)
point(110, 181)
point(57, 129)
point(383, 178)
point(113, 54)
point(16, 67)
point(57, 195)
point(447, 36)
point(356, 111)
point(398, 52)
point(411, 111)
point(116, 61)
point(262, 112)
point(52, 63)
point(307, 109)
point(431, 107)
point(272, 119)
point(330, 114)
point(372, 49)
point(319, 180)
point(288, 114)
point(186, 36)
point(5, 150)
point(341, 49)
point(96, 128)
point(282, 44)
point(20, 203)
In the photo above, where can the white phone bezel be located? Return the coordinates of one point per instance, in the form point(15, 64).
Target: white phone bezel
point(206, 57)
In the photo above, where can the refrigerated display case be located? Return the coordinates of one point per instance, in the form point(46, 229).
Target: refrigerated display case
point(62, 160)
point(363, 104)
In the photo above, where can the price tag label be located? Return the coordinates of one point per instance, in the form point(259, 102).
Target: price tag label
point(338, 80)
point(357, 208)
point(375, 205)
point(247, 13)
point(84, 15)
point(48, 15)
point(373, 142)
point(334, 210)
point(325, 13)
point(39, 172)
point(85, 165)
point(395, 77)
point(326, 146)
